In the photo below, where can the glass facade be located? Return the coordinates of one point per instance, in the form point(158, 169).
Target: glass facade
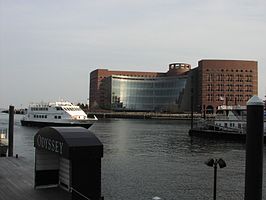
point(145, 94)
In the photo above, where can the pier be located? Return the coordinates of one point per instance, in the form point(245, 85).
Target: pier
point(17, 182)
point(67, 165)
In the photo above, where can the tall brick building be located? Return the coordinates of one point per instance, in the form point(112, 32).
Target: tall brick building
point(214, 83)
point(230, 82)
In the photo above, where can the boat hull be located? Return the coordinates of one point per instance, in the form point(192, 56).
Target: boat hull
point(213, 134)
point(219, 135)
point(43, 124)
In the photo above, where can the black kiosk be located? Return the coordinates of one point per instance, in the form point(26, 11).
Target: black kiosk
point(69, 157)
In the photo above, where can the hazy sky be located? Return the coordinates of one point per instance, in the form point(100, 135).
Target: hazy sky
point(48, 48)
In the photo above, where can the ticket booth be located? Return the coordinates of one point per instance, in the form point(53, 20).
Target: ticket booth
point(69, 158)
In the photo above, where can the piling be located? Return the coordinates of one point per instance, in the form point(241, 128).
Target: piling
point(192, 103)
point(204, 112)
point(11, 131)
point(254, 149)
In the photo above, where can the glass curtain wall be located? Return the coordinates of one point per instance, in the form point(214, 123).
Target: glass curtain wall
point(146, 94)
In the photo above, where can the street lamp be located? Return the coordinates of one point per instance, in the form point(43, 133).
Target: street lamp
point(213, 163)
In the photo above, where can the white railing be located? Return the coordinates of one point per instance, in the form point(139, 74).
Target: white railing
point(209, 124)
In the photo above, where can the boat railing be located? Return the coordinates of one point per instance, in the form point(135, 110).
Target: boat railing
point(239, 118)
point(210, 125)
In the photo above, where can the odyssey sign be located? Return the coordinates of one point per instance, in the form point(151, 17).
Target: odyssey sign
point(50, 144)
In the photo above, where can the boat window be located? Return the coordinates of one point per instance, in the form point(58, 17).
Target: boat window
point(55, 117)
point(59, 117)
point(209, 109)
point(45, 116)
point(225, 124)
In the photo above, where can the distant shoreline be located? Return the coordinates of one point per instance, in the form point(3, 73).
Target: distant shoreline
point(144, 115)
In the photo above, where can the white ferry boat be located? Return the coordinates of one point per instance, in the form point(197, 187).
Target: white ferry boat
point(56, 114)
point(232, 117)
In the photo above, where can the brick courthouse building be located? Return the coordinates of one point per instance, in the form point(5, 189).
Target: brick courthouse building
point(214, 83)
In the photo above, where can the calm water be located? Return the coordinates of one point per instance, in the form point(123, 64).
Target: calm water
point(147, 158)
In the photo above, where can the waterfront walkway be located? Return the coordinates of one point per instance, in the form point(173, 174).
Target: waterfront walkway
point(17, 182)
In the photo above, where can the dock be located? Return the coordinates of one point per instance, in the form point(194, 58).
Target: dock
point(17, 182)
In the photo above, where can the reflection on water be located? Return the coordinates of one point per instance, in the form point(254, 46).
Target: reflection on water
point(147, 158)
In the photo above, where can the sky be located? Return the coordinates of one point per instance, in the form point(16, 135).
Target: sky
point(48, 48)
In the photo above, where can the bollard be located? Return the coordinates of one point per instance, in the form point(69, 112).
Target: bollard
point(254, 149)
point(11, 131)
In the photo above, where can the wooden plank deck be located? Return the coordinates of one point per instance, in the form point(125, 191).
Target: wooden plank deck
point(17, 182)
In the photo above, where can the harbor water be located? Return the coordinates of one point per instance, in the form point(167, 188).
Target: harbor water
point(148, 158)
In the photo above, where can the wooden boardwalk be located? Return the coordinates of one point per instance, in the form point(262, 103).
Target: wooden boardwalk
point(17, 182)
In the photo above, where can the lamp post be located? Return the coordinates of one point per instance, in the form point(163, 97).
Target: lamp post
point(213, 163)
